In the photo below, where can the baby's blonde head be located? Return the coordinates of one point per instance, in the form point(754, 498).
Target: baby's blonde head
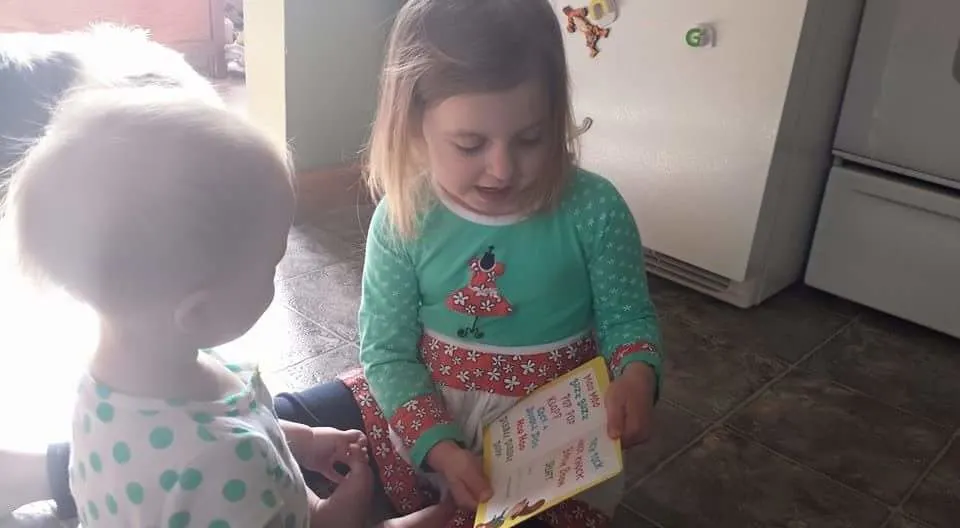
point(443, 48)
point(138, 197)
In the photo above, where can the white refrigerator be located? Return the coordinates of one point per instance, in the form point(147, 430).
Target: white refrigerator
point(720, 145)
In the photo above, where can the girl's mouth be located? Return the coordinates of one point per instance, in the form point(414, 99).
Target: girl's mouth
point(493, 192)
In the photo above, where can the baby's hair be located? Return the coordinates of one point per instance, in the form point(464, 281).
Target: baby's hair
point(141, 194)
point(442, 48)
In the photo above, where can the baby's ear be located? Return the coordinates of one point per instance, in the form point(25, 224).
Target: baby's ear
point(193, 315)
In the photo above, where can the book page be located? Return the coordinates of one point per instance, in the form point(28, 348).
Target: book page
point(549, 447)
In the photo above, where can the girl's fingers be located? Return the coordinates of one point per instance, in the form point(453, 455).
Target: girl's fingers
point(616, 414)
point(638, 423)
point(632, 422)
point(462, 495)
point(477, 484)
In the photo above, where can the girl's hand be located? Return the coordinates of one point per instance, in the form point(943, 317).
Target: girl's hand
point(630, 405)
point(463, 472)
point(327, 447)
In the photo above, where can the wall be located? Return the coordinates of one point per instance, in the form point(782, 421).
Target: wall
point(266, 65)
point(333, 55)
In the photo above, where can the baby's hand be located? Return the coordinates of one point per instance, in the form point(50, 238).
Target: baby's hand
point(329, 447)
point(630, 405)
point(349, 503)
point(463, 472)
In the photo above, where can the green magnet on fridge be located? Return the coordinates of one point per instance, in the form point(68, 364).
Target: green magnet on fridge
point(701, 36)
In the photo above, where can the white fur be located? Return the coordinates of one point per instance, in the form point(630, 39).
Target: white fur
point(110, 55)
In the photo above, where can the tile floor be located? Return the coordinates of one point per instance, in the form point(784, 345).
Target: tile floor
point(805, 412)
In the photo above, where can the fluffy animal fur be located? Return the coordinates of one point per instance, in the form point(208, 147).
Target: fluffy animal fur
point(36, 70)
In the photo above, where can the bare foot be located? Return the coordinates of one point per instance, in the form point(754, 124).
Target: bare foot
point(436, 516)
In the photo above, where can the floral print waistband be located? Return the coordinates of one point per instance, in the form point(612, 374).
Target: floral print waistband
point(458, 367)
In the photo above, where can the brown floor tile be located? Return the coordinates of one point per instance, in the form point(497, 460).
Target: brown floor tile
point(329, 297)
point(709, 375)
point(728, 481)
point(787, 326)
point(673, 429)
point(319, 369)
point(312, 248)
point(853, 438)
point(937, 500)
point(282, 338)
point(897, 363)
point(627, 519)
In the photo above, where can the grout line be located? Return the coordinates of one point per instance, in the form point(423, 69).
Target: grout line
point(280, 370)
point(668, 401)
point(891, 513)
point(901, 410)
point(895, 511)
point(926, 472)
point(719, 422)
point(302, 274)
point(798, 463)
point(908, 412)
point(642, 516)
point(346, 339)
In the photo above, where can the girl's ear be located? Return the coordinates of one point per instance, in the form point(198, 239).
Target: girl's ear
point(418, 148)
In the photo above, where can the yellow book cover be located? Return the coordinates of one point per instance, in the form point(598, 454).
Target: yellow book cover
point(549, 447)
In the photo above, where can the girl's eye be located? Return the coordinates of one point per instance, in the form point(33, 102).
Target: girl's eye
point(473, 148)
point(530, 141)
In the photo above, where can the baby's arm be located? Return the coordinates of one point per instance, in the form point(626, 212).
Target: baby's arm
point(390, 333)
point(626, 320)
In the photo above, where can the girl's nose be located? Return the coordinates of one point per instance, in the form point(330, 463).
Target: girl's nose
point(501, 164)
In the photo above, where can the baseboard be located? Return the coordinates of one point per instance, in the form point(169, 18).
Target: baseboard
point(338, 187)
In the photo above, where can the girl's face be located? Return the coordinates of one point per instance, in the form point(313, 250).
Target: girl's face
point(486, 150)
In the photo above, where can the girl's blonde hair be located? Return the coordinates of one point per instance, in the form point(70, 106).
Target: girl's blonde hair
point(441, 48)
point(139, 195)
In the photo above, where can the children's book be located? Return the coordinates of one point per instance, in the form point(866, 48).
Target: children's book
point(549, 447)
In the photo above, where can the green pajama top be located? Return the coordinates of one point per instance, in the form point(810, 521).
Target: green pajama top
point(553, 275)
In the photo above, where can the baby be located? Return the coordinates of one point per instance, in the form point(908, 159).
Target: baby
point(167, 215)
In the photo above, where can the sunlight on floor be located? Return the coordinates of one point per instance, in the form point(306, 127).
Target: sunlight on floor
point(45, 340)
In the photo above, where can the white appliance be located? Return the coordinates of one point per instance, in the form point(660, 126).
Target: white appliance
point(889, 229)
point(721, 150)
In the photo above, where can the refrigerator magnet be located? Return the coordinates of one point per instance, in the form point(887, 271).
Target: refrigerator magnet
point(603, 12)
point(577, 20)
